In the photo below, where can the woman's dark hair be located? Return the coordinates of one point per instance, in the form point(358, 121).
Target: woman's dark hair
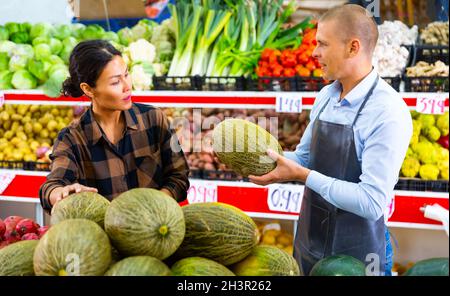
point(87, 61)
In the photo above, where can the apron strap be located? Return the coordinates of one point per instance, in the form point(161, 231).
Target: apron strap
point(366, 99)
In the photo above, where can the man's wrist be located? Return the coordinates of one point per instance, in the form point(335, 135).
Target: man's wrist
point(302, 174)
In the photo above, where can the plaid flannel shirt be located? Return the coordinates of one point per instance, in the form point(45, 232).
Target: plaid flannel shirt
point(143, 158)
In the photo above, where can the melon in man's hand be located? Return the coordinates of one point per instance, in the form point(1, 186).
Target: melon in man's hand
point(242, 146)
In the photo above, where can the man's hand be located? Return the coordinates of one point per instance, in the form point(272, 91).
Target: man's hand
point(286, 170)
point(60, 193)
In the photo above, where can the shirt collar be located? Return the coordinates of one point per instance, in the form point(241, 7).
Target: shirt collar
point(92, 128)
point(360, 90)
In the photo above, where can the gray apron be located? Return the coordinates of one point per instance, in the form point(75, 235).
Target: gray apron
point(324, 230)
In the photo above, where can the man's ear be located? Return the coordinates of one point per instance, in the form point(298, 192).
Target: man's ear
point(88, 91)
point(354, 47)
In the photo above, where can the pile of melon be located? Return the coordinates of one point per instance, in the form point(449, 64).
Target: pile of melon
point(143, 232)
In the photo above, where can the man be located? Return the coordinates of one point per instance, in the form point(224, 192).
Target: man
point(351, 152)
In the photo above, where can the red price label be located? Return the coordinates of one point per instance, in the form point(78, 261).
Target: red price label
point(433, 104)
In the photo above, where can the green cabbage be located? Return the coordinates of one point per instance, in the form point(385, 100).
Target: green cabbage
point(22, 79)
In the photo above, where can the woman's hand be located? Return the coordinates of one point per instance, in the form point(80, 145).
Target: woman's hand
point(60, 193)
point(286, 170)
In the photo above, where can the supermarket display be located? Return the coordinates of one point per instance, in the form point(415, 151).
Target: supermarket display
point(428, 154)
point(254, 51)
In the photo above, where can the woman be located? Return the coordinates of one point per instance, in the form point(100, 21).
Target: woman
point(116, 145)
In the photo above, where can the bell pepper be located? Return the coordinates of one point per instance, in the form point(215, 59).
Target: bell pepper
point(302, 71)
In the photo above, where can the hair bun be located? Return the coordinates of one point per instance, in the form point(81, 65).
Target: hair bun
point(70, 89)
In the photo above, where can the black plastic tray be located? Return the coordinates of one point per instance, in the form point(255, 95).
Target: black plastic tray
point(431, 53)
point(25, 165)
point(426, 84)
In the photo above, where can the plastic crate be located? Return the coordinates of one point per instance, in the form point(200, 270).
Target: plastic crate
point(425, 185)
point(195, 174)
point(222, 175)
point(394, 82)
point(177, 83)
point(25, 165)
point(223, 83)
point(426, 84)
point(272, 84)
point(431, 53)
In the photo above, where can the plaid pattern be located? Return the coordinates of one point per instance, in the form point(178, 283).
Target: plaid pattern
point(142, 158)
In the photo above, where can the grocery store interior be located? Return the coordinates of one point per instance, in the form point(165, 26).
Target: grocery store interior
point(38, 36)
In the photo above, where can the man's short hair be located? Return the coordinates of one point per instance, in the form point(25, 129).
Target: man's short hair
point(354, 22)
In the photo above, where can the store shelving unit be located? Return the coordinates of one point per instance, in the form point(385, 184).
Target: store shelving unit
point(257, 201)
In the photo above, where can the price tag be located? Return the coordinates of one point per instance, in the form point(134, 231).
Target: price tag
point(430, 104)
point(285, 197)
point(289, 102)
point(5, 181)
point(2, 98)
point(202, 192)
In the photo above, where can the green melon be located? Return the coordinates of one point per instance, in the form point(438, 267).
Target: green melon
point(198, 266)
point(339, 265)
point(139, 266)
point(73, 247)
point(267, 261)
point(146, 222)
point(242, 146)
point(429, 267)
point(217, 231)
point(17, 258)
point(83, 205)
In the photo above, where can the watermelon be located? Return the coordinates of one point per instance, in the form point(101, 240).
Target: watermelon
point(83, 205)
point(73, 247)
point(217, 231)
point(17, 259)
point(267, 260)
point(242, 146)
point(429, 267)
point(139, 266)
point(145, 221)
point(338, 265)
point(198, 266)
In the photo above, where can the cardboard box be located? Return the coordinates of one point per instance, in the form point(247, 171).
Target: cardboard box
point(95, 9)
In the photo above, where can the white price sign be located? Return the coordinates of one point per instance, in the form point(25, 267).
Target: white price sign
point(201, 191)
point(5, 180)
point(289, 102)
point(2, 98)
point(285, 197)
point(430, 104)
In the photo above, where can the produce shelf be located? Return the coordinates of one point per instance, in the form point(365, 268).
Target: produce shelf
point(276, 201)
point(199, 99)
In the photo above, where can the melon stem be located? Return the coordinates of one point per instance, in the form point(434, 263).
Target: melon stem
point(163, 230)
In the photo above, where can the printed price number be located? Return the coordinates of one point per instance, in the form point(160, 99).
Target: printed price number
point(285, 198)
point(289, 102)
point(202, 192)
point(432, 104)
